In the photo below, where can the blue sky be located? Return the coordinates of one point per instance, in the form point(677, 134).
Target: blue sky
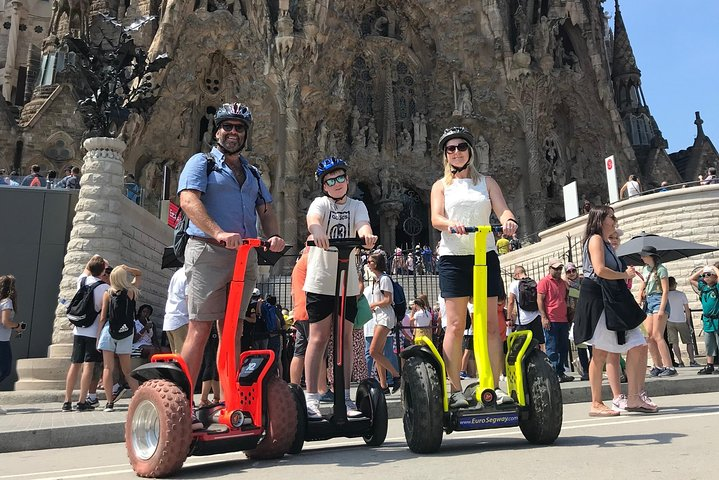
point(676, 44)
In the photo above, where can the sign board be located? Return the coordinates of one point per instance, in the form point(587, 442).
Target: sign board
point(571, 201)
point(611, 167)
point(172, 213)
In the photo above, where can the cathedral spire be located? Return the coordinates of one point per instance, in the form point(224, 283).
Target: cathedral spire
point(623, 62)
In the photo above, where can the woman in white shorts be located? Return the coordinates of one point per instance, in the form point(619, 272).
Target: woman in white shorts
point(590, 326)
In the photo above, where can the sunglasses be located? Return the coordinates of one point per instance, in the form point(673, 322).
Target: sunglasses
point(330, 182)
point(571, 271)
point(228, 127)
point(462, 147)
point(708, 275)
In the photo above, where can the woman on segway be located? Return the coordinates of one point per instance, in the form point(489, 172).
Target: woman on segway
point(465, 197)
point(332, 216)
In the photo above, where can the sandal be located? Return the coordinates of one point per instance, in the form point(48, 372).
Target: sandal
point(643, 408)
point(603, 412)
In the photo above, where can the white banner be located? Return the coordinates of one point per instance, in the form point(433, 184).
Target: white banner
point(571, 201)
point(611, 167)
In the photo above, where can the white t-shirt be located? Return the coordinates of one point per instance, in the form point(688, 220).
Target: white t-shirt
point(422, 319)
point(470, 205)
point(145, 338)
point(633, 188)
point(91, 331)
point(339, 221)
point(369, 326)
point(524, 317)
point(176, 314)
point(6, 333)
point(385, 315)
point(677, 300)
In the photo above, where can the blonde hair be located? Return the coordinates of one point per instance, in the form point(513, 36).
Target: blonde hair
point(473, 172)
point(120, 280)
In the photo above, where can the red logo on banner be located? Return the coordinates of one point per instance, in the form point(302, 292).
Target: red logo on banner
point(172, 215)
point(610, 164)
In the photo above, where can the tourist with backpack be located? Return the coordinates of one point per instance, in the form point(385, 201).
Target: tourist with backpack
point(464, 197)
point(34, 179)
point(385, 319)
point(83, 312)
point(116, 328)
point(705, 281)
point(331, 216)
point(522, 309)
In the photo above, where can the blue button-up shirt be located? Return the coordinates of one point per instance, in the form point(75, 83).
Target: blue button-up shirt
point(231, 206)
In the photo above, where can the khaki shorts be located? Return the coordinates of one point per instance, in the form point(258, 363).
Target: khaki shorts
point(209, 270)
point(676, 330)
point(177, 338)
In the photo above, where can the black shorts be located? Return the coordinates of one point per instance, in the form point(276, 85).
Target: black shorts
point(467, 343)
point(303, 333)
point(321, 306)
point(84, 350)
point(536, 328)
point(456, 276)
point(209, 358)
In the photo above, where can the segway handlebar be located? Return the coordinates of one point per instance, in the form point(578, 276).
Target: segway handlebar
point(491, 228)
point(342, 242)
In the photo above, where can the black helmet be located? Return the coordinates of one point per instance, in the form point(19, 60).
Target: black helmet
point(455, 132)
point(233, 111)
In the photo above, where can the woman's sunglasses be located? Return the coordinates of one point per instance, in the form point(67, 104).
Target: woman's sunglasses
point(462, 147)
point(571, 271)
point(707, 275)
point(330, 182)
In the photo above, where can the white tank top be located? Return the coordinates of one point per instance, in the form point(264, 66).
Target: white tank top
point(470, 205)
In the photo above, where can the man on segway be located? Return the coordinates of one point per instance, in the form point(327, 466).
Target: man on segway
point(223, 202)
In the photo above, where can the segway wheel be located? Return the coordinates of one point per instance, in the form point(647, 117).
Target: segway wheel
point(422, 402)
point(158, 430)
point(373, 405)
point(544, 401)
point(281, 421)
point(299, 440)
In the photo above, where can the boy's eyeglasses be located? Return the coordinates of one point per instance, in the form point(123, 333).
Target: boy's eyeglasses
point(462, 147)
point(330, 182)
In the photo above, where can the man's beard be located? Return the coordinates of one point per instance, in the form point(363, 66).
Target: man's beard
point(228, 150)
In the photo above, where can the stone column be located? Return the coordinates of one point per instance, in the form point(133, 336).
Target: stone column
point(389, 217)
point(96, 229)
point(9, 75)
point(292, 155)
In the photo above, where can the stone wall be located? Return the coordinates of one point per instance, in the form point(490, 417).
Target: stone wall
point(144, 237)
point(680, 214)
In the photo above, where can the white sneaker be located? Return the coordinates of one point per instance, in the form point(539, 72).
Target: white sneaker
point(352, 411)
point(313, 409)
point(619, 403)
point(502, 397)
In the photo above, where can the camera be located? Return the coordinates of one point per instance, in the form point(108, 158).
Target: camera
point(23, 325)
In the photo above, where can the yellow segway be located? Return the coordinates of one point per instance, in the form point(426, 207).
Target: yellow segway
point(531, 381)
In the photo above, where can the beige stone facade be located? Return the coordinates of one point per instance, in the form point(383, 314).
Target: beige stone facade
point(546, 87)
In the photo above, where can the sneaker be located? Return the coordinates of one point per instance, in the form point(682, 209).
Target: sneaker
point(707, 370)
point(84, 407)
point(328, 397)
point(564, 378)
point(655, 371)
point(645, 398)
point(396, 384)
point(109, 407)
point(694, 363)
point(67, 407)
point(680, 365)
point(352, 411)
point(502, 397)
point(457, 400)
point(668, 372)
point(116, 389)
point(386, 391)
point(117, 394)
point(584, 378)
point(623, 378)
point(619, 403)
point(313, 409)
point(92, 402)
point(463, 375)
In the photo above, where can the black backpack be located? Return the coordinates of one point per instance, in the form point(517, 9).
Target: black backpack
point(399, 301)
point(81, 311)
point(121, 315)
point(180, 235)
point(528, 295)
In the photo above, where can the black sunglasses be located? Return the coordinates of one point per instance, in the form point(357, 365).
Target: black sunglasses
point(462, 147)
point(708, 275)
point(330, 182)
point(228, 127)
point(571, 271)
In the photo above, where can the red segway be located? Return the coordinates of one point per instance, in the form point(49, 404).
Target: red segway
point(259, 414)
point(370, 399)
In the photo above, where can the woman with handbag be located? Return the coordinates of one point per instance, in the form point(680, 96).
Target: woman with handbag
point(603, 296)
